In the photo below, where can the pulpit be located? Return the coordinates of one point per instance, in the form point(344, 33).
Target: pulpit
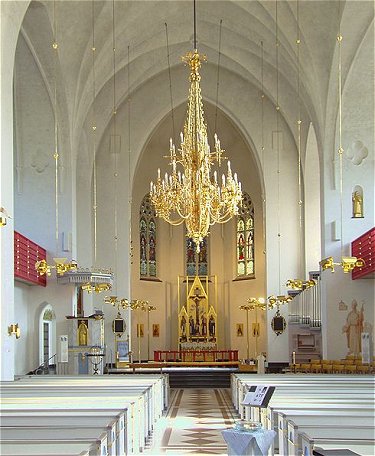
point(86, 345)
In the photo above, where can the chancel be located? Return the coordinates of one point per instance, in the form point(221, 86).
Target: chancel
point(186, 218)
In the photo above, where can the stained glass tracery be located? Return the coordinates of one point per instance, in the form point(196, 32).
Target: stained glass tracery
point(147, 238)
point(245, 238)
point(196, 263)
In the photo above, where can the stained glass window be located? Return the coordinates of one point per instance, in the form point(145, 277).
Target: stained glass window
point(196, 263)
point(147, 238)
point(245, 238)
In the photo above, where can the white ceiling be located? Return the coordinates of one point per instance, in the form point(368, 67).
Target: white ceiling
point(141, 40)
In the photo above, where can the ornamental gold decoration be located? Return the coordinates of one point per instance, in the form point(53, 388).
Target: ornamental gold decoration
point(192, 195)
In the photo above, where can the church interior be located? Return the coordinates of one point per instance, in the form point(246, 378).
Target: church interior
point(187, 200)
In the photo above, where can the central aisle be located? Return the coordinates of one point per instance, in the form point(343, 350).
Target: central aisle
point(194, 423)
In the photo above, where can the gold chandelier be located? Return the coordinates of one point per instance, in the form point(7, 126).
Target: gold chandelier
point(194, 196)
point(60, 265)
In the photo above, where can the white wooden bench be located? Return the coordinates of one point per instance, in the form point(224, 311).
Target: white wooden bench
point(43, 448)
point(336, 432)
point(362, 447)
point(313, 417)
point(117, 421)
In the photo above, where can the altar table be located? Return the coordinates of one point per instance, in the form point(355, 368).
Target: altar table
point(195, 355)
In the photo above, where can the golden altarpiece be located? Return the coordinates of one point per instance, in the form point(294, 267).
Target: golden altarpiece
point(197, 316)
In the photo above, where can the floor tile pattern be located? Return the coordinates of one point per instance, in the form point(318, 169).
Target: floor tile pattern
point(194, 423)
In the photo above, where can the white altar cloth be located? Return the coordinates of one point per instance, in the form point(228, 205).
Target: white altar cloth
point(254, 443)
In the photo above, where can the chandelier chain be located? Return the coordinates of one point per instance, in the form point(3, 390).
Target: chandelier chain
point(114, 145)
point(218, 75)
point(340, 149)
point(278, 144)
point(299, 124)
point(170, 81)
point(56, 127)
point(95, 202)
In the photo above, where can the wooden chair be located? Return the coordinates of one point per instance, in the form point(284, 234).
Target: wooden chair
point(338, 368)
point(347, 361)
point(327, 368)
point(305, 367)
point(350, 368)
point(316, 367)
point(364, 368)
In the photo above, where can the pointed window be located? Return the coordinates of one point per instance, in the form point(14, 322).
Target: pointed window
point(245, 239)
point(147, 239)
point(196, 263)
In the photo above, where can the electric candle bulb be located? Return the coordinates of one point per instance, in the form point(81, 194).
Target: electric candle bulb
point(215, 177)
point(223, 180)
point(158, 173)
point(182, 137)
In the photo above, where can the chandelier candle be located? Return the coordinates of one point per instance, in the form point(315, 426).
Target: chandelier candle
point(192, 195)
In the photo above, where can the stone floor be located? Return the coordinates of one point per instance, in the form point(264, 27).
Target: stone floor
point(194, 423)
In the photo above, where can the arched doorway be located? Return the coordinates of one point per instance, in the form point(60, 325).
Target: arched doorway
point(47, 337)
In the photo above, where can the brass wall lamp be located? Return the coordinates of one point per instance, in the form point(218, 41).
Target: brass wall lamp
point(3, 216)
point(347, 264)
point(14, 329)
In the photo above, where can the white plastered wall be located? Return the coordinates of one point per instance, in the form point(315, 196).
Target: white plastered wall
point(358, 125)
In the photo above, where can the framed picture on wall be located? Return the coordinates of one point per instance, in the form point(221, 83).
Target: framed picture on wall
point(155, 330)
point(239, 329)
point(256, 327)
point(140, 330)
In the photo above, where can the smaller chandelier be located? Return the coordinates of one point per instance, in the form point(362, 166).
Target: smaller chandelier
point(299, 284)
point(347, 264)
point(277, 300)
point(60, 265)
point(194, 196)
point(134, 304)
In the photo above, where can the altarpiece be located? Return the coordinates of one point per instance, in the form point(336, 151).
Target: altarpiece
point(197, 316)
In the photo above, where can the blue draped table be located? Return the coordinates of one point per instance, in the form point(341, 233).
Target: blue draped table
point(254, 443)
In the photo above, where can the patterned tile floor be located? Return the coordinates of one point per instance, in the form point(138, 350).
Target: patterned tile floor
point(194, 423)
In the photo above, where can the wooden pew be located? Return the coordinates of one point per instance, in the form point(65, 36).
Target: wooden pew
point(306, 395)
point(336, 432)
point(109, 424)
point(362, 447)
point(30, 435)
point(313, 417)
point(77, 419)
point(43, 448)
point(135, 432)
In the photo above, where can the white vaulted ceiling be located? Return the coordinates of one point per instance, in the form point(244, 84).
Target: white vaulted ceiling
point(140, 25)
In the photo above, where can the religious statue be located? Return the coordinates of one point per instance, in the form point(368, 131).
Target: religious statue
point(183, 326)
point(211, 326)
point(191, 326)
point(353, 329)
point(241, 247)
point(82, 333)
point(204, 325)
point(357, 205)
